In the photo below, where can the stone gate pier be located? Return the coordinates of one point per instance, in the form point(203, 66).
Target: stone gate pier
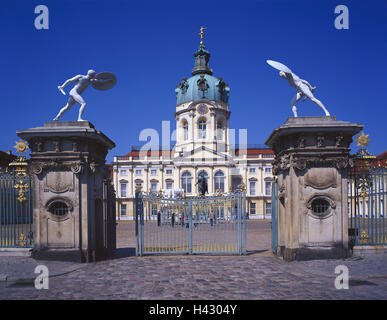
point(73, 199)
point(311, 162)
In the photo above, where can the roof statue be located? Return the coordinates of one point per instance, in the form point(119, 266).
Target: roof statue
point(201, 34)
point(100, 81)
point(303, 87)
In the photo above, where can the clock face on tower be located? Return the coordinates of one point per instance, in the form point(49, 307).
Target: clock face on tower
point(202, 109)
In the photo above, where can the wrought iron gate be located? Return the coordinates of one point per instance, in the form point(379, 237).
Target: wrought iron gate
point(367, 194)
point(190, 225)
point(16, 215)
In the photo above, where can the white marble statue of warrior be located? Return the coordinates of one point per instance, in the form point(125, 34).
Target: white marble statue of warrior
point(101, 81)
point(303, 87)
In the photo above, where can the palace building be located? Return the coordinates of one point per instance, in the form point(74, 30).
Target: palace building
point(205, 146)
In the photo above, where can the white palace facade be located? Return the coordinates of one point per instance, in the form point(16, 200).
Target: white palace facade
point(204, 146)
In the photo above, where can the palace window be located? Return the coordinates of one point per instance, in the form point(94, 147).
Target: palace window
point(252, 170)
point(123, 190)
point(202, 129)
point(252, 188)
point(185, 130)
point(267, 169)
point(123, 210)
point(169, 185)
point(123, 172)
point(186, 182)
point(168, 171)
point(268, 209)
point(154, 186)
point(219, 181)
point(153, 172)
point(268, 187)
point(252, 208)
point(138, 172)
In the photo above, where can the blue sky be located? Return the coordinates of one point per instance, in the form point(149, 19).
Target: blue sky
point(149, 45)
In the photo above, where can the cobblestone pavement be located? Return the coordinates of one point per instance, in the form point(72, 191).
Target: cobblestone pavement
point(258, 275)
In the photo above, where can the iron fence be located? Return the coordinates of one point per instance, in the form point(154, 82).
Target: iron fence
point(367, 203)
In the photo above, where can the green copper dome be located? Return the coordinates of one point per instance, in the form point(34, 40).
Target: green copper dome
point(202, 85)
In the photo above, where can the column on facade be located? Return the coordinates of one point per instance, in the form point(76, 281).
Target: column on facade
point(245, 178)
point(178, 130)
point(195, 188)
point(178, 179)
point(131, 191)
point(146, 184)
point(228, 178)
point(261, 181)
point(191, 115)
point(162, 178)
point(226, 134)
point(211, 188)
point(213, 120)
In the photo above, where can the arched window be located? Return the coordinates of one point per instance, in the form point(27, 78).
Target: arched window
point(219, 130)
point(185, 130)
point(186, 182)
point(202, 129)
point(219, 181)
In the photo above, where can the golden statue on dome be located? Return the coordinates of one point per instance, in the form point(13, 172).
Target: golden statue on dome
point(201, 34)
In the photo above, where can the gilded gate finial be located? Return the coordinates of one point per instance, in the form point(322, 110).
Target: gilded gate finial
point(362, 140)
point(21, 147)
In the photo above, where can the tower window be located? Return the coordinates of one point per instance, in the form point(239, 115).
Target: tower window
point(185, 130)
point(202, 129)
point(219, 130)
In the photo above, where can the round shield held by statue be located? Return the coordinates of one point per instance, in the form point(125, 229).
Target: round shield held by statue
point(279, 66)
point(107, 80)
